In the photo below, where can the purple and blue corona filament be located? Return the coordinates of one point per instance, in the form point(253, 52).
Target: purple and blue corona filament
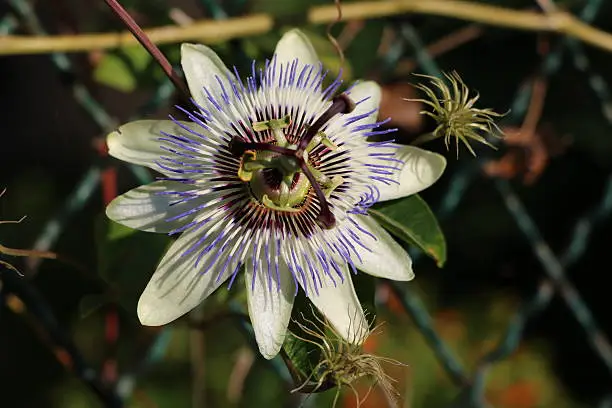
point(235, 225)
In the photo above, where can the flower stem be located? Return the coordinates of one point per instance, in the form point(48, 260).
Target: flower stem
point(146, 42)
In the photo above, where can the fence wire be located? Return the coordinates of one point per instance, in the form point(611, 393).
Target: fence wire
point(472, 385)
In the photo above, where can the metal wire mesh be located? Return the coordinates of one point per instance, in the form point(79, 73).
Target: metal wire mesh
point(553, 265)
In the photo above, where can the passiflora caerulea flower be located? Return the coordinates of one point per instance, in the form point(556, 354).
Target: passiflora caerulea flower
point(274, 175)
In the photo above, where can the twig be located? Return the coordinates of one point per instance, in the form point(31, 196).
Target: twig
point(528, 138)
point(349, 32)
point(146, 42)
point(211, 31)
point(28, 252)
point(331, 37)
point(208, 31)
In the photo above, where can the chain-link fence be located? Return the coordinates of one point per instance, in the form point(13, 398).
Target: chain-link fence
point(554, 280)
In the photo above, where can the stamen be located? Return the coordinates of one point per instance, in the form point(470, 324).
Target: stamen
point(322, 138)
point(319, 176)
point(328, 143)
point(326, 218)
point(340, 104)
point(245, 172)
point(276, 126)
point(336, 182)
point(281, 123)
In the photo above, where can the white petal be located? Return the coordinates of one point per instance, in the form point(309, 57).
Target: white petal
point(341, 306)
point(387, 258)
point(294, 44)
point(421, 168)
point(269, 307)
point(144, 208)
point(202, 66)
point(178, 285)
point(359, 93)
point(138, 142)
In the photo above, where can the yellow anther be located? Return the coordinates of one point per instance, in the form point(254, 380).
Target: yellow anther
point(244, 173)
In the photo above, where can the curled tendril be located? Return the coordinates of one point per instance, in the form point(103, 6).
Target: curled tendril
point(343, 361)
point(455, 114)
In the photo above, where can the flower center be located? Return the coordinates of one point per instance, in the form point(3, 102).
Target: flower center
point(280, 175)
point(276, 181)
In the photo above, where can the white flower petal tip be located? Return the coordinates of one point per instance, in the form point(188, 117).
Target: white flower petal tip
point(295, 44)
point(385, 258)
point(203, 70)
point(339, 304)
point(367, 96)
point(269, 350)
point(137, 142)
point(269, 308)
point(156, 311)
point(420, 169)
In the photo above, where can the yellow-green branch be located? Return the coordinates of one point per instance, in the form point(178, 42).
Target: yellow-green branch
point(211, 31)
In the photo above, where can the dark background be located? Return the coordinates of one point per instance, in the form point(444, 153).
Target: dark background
point(48, 143)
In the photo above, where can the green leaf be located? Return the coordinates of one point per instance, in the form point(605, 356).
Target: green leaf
point(113, 72)
point(298, 353)
point(127, 259)
point(303, 355)
point(121, 69)
point(412, 221)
